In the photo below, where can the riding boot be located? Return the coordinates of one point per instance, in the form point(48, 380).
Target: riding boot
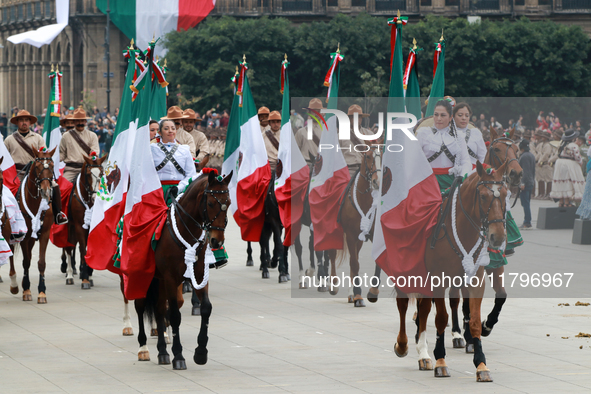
point(541, 190)
point(56, 205)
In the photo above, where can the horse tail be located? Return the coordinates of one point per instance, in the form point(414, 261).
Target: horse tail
point(342, 254)
point(151, 301)
point(16, 249)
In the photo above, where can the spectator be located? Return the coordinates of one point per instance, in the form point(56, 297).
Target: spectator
point(495, 124)
point(102, 137)
point(482, 123)
point(473, 121)
point(224, 119)
point(583, 148)
point(519, 124)
point(527, 162)
point(568, 181)
point(3, 123)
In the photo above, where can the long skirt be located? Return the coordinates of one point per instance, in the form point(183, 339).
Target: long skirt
point(568, 180)
point(584, 210)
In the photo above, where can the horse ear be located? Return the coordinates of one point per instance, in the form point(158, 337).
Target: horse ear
point(479, 168)
point(87, 160)
point(211, 178)
point(493, 133)
point(51, 152)
point(512, 132)
point(228, 178)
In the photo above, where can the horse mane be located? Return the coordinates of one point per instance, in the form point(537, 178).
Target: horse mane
point(197, 186)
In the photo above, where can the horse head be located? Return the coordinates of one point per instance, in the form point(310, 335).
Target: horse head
point(369, 169)
point(41, 173)
point(502, 149)
point(92, 172)
point(491, 193)
point(216, 204)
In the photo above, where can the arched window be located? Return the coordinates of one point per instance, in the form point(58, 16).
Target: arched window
point(58, 53)
point(48, 55)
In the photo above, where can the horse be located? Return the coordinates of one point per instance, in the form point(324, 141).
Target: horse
point(358, 202)
point(200, 216)
point(502, 149)
point(82, 198)
point(480, 219)
point(34, 199)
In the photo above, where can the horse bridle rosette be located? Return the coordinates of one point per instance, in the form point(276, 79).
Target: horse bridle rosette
point(38, 180)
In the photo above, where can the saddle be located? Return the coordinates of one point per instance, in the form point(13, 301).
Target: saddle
point(444, 211)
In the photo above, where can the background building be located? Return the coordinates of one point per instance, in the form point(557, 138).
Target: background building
point(79, 49)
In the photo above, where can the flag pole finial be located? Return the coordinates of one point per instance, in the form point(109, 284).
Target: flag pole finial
point(131, 43)
point(244, 57)
point(286, 56)
point(398, 14)
point(156, 58)
point(153, 37)
point(165, 62)
point(339, 47)
point(57, 68)
point(414, 44)
point(441, 39)
point(52, 70)
point(237, 70)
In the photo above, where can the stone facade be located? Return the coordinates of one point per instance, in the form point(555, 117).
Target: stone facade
point(79, 50)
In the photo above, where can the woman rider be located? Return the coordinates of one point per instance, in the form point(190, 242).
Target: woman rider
point(473, 137)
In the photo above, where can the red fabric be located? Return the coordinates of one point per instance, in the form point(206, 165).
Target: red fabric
point(290, 199)
point(11, 180)
point(325, 202)
point(441, 171)
point(407, 229)
point(102, 240)
point(137, 257)
point(191, 12)
point(59, 234)
point(170, 182)
point(250, 193)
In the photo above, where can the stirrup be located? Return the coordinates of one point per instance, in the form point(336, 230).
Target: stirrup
point(61, 218)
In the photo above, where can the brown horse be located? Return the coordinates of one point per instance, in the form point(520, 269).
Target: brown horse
point(502, 149)
point(358, 197)
point(84, 191)
point(202, 208)
point(480, 209)
point(34, 198)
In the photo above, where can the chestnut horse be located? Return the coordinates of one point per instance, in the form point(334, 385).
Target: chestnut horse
point(480, 218)
point(202, 208)
point(34, 199)
point(84, 191)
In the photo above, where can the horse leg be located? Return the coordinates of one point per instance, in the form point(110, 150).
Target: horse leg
point(68, 266)
point(83, 267)
point(41, 264)
point(372, 293)
point(75, 271)
point(127, 328)
point(441, 319)
point(466, 313)
point(26, 283)
point(500, 298)
point(12, 275)
point(65, 261)
point(298, 251)
point(312, 270)
point(354, 265)
point(200, 356)
point(280, 250)
point(178, 362)
point(476, 293)
point(143, 353)
point(456, 331)
point(331, 258)
point(425, 363)
point(163, 356)
point(249, 262)
point(195, 310)
point(401, 345)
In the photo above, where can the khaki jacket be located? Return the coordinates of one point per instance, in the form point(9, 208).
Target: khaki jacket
point(18, 153)
point(184, 138)
point(308, 147)
point(271, 151)
point(348, 148)
point(71, 152)
point(201, 144)
point(544, 153)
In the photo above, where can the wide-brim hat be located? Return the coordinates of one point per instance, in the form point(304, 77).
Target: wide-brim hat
point(63, 120)
point(23, 114)
point(174, 113)
point(275, 115)
point(356, 109)
point(570, 135)
point(79, 114)
point(543, 134)
point(190, 114)
point(263, 111)
point(527, 134)
point(315, 104)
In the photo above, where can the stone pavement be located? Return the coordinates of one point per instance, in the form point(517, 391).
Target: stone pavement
point(263, 340)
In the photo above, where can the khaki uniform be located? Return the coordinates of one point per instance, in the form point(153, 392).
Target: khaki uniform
point(18, 153)
point(217, 154)
point(352, 157)
point(545, 157)
point(71, 152)
point(271, 151)
point(201, 144)
point(308, 147)
point(185, 138)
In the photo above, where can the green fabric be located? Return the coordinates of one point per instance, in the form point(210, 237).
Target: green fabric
point(122, 14)
point(413, 94)
point(438, 87)
point(233, 130)
point(445, 181)
point(514, 238)
point(285, 104)
point(119, 232)
point(53, 122)
point(220, 254)
point(159, 102)
point(496, 260)
point(125, 114)
point(168, 197)
point(396, 91)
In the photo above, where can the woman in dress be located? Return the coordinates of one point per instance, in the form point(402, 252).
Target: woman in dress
point(568, 182)
point(584, 210)
point(473, 137)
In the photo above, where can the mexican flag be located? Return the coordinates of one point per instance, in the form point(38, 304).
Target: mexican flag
point(144, 206)
point(142, 19)
point(51, 128)
point(411, 84)
point(11, 181)
point(254, 174)
point(438, 87)
point(330, 177)
point(292, 181)
point(109, 203)
point(232, 150)
point(410, 198)
point(160, 91)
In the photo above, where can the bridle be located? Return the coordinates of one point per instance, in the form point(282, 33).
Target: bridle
point(368, 174)
point(89, 188)
point(38, 180)
point(494, 158)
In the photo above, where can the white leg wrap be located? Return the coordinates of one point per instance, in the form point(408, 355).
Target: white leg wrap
point(422, 346)
point(143, 349)
point(69, 270)
point(13, 282)
point(126, 317)
point(456, 335)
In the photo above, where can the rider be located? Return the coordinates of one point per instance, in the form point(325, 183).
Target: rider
point(66, 124)
point(76, 144)
point(21, 146)
point(173, 161)
point(263, 115)
point(355, 157)
point(309, 148)
point(182, 137)
point(271, 137)
point(201, 142)
point(473, 137)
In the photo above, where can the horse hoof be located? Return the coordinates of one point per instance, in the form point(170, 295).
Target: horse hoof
point(470, 348)
point(163, 359)
point(127, 332)
point(13, 290)
point(196, 311)
point(485, 330)
point(425, 364)
point(350, 299)
point(282, 278)
point(187, 288)
point(441, 372)
point(154, 332)
point(399, 353)
point(459, 343)
point(27, 295)
point(85, 286)
point(249, 263)
point(200, 357)
point(265, 274)
point(483, 376)
point(303, 285)
point(41, 300)
point(70, 281)
point(91, 282)
point(359, 303)
point(310, 272)
point(322, 289)
point(179, 364)
point(143, 356)
point(288, 276)
point(334, 291)
point(371, 297)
